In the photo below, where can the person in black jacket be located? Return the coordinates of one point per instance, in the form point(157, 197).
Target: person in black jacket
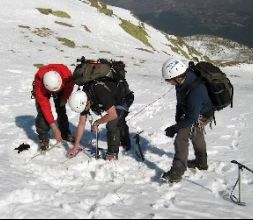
point(193, 111)
point(106, 96)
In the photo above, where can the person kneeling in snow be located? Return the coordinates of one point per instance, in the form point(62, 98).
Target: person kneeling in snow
point(53, 80)
point(194, 109)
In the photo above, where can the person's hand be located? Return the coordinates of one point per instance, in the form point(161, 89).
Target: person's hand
point(73, 152)
point(94, 127)
point(170, 131)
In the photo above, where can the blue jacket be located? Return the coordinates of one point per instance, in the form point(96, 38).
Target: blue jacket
point(196, 103)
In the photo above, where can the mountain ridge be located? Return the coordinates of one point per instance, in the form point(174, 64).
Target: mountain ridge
point(227, 19)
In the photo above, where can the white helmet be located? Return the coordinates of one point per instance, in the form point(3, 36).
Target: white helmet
point(77, 101)
point(52, 81)
point(173, 68)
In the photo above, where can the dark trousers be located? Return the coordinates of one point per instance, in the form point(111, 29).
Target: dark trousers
point(118, 133)
point(42, 127)
point(182, 147)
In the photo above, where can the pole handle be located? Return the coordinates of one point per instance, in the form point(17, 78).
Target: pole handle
point(241, 166)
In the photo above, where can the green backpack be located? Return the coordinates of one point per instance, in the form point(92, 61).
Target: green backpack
point(90, 73)
point(90, 70)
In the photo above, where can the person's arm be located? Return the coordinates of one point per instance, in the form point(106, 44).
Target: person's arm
point(82, 124)
point(80, 130)
point(194, 104)
point(57, 132)
point(110, 116)
point(79, 133)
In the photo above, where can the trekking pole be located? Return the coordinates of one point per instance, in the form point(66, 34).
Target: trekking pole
point(97, 152)
point(90, 118)
point(232, 196)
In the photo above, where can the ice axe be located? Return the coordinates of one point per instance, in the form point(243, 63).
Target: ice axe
point(138, 150)
point(97, 150)
point(232, 196)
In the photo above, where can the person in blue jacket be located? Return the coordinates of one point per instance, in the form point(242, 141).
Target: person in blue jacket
point(193, 111)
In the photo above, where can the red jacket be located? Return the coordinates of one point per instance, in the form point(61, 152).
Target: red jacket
point(42, 95)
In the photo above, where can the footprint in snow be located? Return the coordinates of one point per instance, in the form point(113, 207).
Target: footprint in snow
point(166, 201)
point(235, 145)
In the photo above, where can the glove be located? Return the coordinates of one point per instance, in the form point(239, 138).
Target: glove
point(22, 147)
point(170, 131)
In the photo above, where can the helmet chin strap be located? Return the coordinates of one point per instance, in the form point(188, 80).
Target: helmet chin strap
point(179, 80)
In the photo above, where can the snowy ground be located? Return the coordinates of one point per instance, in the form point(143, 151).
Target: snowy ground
point(51, 187)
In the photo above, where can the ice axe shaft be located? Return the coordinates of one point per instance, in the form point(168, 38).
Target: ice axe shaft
point(97, 151)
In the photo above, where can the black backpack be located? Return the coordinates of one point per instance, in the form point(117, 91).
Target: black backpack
point(219, 87)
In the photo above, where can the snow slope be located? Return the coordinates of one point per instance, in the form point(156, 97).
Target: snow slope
point(51, 187)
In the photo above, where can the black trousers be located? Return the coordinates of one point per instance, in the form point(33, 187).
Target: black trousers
point(43, 128)
point(118, 133)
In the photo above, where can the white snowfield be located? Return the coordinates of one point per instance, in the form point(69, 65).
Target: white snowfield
point(52, 187)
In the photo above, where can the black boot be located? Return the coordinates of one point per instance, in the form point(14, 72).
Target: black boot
point(43, 145)
point(172, 176)
point(200, 164)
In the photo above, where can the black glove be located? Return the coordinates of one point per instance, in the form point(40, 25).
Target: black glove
point(171, 131)
point(22, 147)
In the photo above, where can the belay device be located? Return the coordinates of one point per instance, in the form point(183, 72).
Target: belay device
point(232, 196)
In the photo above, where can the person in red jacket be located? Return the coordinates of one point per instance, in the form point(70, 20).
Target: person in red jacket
point(53, 80)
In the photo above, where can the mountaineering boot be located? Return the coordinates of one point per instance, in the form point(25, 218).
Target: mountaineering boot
point(172, 176)
point(69, 138)
point(197, 163)
point(43, 145)
point(111, 156)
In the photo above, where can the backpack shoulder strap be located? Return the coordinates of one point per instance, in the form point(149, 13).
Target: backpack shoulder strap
point(104, 85)
point(193, 86)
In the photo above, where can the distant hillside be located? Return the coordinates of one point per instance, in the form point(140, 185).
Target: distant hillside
point(231, 19)
point(222, 51)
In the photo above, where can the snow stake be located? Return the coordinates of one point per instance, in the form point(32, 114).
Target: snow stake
point(234, 199)
point(138, 149)
point(97, 150)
